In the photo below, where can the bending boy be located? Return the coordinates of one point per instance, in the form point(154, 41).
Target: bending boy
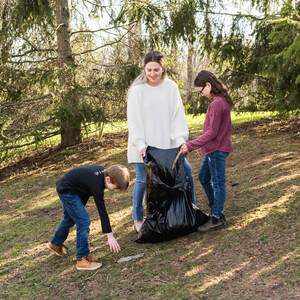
point(74, 190)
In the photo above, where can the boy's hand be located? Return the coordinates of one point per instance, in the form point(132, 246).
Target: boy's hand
point(113, 244)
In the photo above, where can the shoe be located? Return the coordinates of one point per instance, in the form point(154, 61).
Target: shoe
point(211, 225)
point(222, 217)
point(87, 263)
point(58, 250)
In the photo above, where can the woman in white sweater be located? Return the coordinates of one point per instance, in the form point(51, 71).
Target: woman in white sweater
point(156, 117)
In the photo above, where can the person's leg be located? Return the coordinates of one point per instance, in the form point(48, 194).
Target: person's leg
point(217, 163)
point(77, 214)
point(138, 191)
point(205, 180)
point(63, 229)
point(217, 166)
point(188, 169)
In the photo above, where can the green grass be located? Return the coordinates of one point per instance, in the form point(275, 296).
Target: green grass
point(255, 257)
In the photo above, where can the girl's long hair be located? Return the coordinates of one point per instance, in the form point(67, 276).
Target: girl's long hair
point(217, 87)
point(155, 56)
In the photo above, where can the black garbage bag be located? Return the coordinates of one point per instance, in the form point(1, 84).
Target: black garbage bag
point(170, 211)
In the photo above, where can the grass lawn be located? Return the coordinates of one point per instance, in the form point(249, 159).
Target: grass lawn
point(255, 257)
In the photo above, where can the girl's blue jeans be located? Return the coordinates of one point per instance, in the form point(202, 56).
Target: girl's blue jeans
point(140, 184)
point(74, 213)
point(212, 177)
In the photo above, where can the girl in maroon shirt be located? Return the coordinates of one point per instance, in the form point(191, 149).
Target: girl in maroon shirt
point(215, 145)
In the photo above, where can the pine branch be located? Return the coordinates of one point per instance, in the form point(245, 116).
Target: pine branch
point(32, 128)
point(26, 101)
point(102, 29)
point(108, 44)
point(98, 5)
point(47, 136)
point(235, 15)
point(247, 74)
point(32, 50)
point(32, 61)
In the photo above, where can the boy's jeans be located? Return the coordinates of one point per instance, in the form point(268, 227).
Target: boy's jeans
point(139, 188)
point(74, 213)
point(212, 178)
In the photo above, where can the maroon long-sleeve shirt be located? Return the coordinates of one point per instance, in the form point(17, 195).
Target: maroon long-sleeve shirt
point(217, 129)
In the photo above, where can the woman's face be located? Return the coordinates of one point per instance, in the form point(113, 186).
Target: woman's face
point(154, 73)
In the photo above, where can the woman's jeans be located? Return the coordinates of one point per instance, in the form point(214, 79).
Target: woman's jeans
point(74, 213)
point(140, 184)
point(212, 177)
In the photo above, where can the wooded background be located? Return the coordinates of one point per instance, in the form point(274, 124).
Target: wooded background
point(66, 66)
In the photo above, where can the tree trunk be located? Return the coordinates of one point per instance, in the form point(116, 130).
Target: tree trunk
point(70, 126)
point(190, 72)
point(174, 67)
point(135, 43)
point(5, 42)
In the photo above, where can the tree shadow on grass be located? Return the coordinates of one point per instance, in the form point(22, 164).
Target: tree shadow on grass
point(244, 259)
point(250, 258)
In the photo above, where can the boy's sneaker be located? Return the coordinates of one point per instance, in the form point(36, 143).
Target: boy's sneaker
point(58, 250)
point(87, 263)
point(212, 224)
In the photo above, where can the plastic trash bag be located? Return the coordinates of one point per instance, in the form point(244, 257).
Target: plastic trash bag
point(170, 212)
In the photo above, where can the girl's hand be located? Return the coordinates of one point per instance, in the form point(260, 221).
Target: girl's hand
point(143, 152)
point(184, 149)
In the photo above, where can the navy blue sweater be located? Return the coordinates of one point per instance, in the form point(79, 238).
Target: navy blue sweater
point(87, 181)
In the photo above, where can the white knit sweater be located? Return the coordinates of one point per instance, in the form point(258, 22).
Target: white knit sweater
point(155, 117)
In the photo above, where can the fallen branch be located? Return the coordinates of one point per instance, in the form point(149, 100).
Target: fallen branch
point(128, 258)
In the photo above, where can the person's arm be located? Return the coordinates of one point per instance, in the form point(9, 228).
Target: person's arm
point(143, 152)
point(98, 195)
point(135, 121)
point(215, 116)
point(179, 128)
point(184, 149)
point(105, 223)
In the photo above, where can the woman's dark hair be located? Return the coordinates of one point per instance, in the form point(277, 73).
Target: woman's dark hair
point(158, 57)
point(217, 87)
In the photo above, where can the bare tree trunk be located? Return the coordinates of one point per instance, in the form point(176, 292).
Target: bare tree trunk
point(135, 42)
point(175, 66)
point(190, 71)
point(70, 127)
point(5, 43)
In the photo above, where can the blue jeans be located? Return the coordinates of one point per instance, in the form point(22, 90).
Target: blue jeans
point(140, 184)
point(212, 177)
point(74, 213)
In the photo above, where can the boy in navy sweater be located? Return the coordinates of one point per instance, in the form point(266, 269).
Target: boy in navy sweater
point(74, 190)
